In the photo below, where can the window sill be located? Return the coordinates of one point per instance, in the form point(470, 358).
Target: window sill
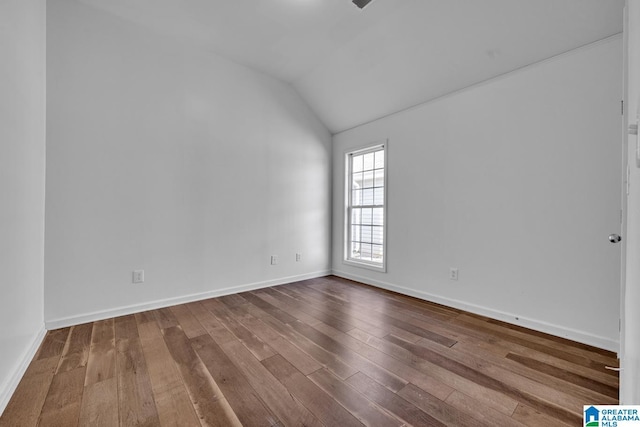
point(381, 268)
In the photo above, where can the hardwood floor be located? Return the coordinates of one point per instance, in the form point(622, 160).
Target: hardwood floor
point(320, 352)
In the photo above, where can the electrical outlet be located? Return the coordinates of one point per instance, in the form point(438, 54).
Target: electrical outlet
point(298, 257)
point(274, 259)
point(453, 273)
point(138, 276)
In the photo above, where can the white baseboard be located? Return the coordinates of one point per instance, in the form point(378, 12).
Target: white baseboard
point(538, 325)
point(10, 386)
point(152, 305)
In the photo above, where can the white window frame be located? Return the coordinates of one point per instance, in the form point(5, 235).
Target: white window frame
point(372, 265)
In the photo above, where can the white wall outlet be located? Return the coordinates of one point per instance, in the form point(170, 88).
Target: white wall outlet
point(453, 273)
point(138, 276)
point(274, 259)
point(298, 257)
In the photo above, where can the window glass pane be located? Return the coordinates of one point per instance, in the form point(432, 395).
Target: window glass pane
point(377, 235)
point(356, 180)
point(367, 196)
point(365, 252)
point(378, 216)
point(355, 250)
point(355, 233)
point(379, 159)
point(356, 197)
point(379, 180)
point(368, 161)
point(367, 181)
point(355, 216)
point(356, 162)
point(367, 216)
point(366, 234)
point(379, 196)
point(377, 253)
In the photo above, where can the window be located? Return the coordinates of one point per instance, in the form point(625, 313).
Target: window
point(365, 225)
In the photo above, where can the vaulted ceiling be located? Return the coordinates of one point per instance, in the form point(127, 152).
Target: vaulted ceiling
point(353, 66)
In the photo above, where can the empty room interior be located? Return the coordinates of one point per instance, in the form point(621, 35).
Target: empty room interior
point(318, 212)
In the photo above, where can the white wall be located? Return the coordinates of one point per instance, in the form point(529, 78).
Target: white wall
point(165, 157)
point(22, 171)
point(630, 363)
point(516, 182)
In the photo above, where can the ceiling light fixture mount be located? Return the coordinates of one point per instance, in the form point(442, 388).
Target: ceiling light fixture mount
point(361, 3)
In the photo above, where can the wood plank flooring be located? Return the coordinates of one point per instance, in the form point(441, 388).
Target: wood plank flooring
point(320, 352)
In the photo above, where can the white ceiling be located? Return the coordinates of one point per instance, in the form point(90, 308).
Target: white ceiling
point(354, 66)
